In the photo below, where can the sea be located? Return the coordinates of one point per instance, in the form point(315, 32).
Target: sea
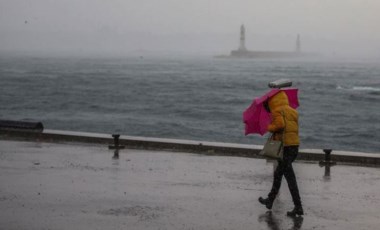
point(193, 98)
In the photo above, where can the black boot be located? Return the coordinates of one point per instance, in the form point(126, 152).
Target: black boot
point(267, 202)
point(296, 211)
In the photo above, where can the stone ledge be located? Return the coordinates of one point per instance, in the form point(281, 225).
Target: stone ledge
point(202, 147)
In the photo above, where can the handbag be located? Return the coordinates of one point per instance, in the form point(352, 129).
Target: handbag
point(274, 149)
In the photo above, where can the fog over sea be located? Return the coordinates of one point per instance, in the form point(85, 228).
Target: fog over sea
point(193, 98)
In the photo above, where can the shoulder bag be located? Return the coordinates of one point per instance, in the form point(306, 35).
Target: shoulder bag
point(274, 149)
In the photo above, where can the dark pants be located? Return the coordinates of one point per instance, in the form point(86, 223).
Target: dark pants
point(285, 168)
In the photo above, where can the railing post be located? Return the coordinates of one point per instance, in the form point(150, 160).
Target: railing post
point(327, 160)
point(116, 142)
point(327, 163)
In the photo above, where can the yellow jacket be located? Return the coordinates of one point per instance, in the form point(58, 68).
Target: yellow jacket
point(280, 109)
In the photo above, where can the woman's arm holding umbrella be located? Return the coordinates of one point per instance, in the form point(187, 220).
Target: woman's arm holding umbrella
point(277, 123)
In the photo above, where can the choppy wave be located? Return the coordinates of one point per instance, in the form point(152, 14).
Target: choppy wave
point(198, 99)
point(359, 88)
point(365, 88)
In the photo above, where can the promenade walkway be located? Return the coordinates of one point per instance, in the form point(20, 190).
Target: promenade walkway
point(83, 186)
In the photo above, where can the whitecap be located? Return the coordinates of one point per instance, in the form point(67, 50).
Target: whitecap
point(365, 88)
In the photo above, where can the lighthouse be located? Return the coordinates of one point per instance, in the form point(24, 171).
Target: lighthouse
point(242, 39)
point(242, 51)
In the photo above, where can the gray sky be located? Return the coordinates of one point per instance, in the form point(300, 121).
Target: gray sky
point(207, 27)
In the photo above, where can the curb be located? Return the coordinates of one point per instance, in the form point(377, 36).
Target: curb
point(200, 147)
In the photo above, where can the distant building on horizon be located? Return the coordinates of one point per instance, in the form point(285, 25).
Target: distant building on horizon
point(243, 52)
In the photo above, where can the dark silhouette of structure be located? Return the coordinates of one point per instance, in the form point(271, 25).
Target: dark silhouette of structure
point(243, 52)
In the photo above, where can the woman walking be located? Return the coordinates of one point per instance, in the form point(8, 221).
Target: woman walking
point(284, 122)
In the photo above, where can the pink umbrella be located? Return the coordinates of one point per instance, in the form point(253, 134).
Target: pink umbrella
point(257, 119)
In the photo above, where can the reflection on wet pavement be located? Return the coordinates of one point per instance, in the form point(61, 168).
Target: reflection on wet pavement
point(116, 154)
point(274, 223)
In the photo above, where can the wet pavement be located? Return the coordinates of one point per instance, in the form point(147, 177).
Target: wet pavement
point(83, 186)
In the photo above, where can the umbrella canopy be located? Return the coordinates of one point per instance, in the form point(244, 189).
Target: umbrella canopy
point(257, 119)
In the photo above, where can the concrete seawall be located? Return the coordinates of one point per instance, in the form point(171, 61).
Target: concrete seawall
point(208, 148)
